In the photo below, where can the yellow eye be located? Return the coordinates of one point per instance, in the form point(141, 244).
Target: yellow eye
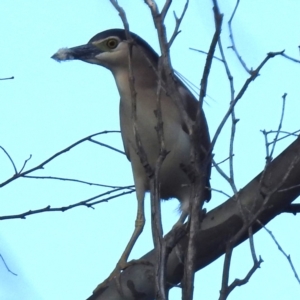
point(112, 43)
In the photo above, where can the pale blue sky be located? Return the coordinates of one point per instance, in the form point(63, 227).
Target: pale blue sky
point(49, 106)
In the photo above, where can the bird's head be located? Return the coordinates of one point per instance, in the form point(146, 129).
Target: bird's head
point(108, 49)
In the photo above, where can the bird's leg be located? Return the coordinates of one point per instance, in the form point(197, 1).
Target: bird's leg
point(139, 226)
point(181, 220)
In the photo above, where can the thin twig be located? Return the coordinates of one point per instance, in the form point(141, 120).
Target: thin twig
point(249, 221)
point(178, 22)
point(287, 256)
point(107, 146)
point(233, 47)
point(86, 203)
point(289, 188)
point(204, 52)
point(173, 92)
point(269, 154)
point(140, 149)
point(251, 242)
point(7, 78)
point(234, 120)
point(157, 230)
point(198, 186)
point(209, 58)
point(137, 146)
point(288, 134)
point(170, 85)
point(42, 165)
point(290, 58)
point(11, 160)
point(78, 181)
point(230, 179)
point(279, 125)
point(231, 155)
point(221, 192)
point(164, 10)
point(222, 161)
point(225, 276)
point(225, 176)
point(5, 264)
point(253, 76)
point(240, 282)
point(227, 289)
point(25, 162)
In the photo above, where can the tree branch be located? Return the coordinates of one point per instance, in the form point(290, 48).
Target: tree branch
point(293, 208)
point(218, 227)
point(288, 257)
point(41, 165)
point(89, 203)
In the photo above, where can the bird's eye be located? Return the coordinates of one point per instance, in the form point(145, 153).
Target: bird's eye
point(112, 43)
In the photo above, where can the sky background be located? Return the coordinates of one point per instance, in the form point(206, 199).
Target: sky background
point(50, 105)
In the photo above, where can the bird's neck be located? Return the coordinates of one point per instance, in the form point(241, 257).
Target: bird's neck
point(143, 78)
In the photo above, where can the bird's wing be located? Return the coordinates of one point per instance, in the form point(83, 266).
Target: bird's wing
point(123, 125)
point(191, 106)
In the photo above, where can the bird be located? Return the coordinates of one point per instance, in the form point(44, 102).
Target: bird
point(109, 49)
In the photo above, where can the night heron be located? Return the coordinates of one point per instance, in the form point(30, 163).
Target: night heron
point(110, 49)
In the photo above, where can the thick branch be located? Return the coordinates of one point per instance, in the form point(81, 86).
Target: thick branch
point(218, 227)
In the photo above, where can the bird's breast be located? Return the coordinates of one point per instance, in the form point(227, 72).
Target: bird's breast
point(177, 142)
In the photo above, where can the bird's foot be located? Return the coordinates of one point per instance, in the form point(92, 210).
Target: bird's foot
point(115, 274)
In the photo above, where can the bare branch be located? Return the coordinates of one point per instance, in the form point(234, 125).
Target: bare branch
point(164, 11)
point(231, 154)
point(224, 175)
point(221, 192)
point(156, 220)
point(165, 66)
point(293, 208)
point(78, 181)
point(279, 128)
point(168, 70)
point(233, 47)
point(6, 266)
point(226, 290)
point(209, 58)
point(204, 52)
point(107, 146)
point(200, 182)
point(87, 203)
point(290, 58)
point(25, 162)
point(41, 165)
point(122, 15)
point(253, 76)
point(222, 161)
point(239, 282)
point(249, 220)
point(234, 120)
point(288, 257)
point(9, 157)
point(287, 134)
point(178, 22)
point(8, 78)
point(251, 242)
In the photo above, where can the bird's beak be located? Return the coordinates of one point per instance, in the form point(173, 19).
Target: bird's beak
point(84, 52)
